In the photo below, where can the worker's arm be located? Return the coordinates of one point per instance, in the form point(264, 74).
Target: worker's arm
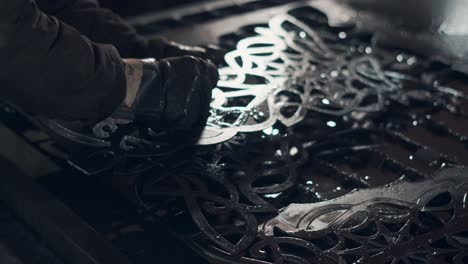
point(103, 26)
point(50, 69)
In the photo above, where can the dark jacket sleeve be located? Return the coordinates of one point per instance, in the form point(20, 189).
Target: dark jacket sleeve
point(48, 68)
point(99, 24)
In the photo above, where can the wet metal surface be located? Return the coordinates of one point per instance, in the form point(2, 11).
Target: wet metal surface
point(396, 130)
point(323, 146)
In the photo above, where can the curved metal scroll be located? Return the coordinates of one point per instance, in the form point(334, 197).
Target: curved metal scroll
point(287, 69)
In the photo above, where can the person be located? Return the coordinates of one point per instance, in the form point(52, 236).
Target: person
point(69, 60)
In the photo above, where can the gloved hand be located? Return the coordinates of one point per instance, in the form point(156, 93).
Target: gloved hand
point(160, 48)
point(171, 94)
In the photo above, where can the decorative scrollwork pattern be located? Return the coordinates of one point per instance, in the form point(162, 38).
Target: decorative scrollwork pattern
point(286, 69)
point(304, 115)
point(401, 222)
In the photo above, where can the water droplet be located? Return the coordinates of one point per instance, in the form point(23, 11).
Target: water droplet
point(331, 123)
point(293, 151)
point(334, 74)
point(411, 157)
point(415, 123)
point(309, 182)
point(400, 58)
point(338, 188)
point(368, 50)
point(342, 35)
point(325, 101)
point(302, 34)
point(273, 195)
point(411, 61)
point(268, 131)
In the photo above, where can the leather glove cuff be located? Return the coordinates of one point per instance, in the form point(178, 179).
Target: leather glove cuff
point(150, 101)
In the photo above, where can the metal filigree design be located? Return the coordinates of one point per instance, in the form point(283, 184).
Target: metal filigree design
point(325, 112)
point(279, 74)
point(341, 124)
point(287, 69)
point(401, 222)
point(229, 187)
point(235, 216)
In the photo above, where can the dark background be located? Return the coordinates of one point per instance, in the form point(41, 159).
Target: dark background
point(134, 7)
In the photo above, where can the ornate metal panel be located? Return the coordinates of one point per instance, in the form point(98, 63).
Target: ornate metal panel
point(322, 147)
point(287, 69)
point(418, 222)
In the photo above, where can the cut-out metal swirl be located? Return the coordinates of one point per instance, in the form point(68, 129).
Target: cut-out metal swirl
point(416, 222)
point(391, 223)
point(287, 69)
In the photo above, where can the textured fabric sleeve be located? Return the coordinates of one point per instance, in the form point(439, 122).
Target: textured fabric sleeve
point(48, 68)
point(99, 24)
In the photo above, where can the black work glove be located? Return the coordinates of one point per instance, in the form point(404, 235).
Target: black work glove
point(161, 48)
point(174, 95)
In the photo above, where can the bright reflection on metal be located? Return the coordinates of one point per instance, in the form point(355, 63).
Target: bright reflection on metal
point(331, 123)
point(286, 70)
point(276, 76)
